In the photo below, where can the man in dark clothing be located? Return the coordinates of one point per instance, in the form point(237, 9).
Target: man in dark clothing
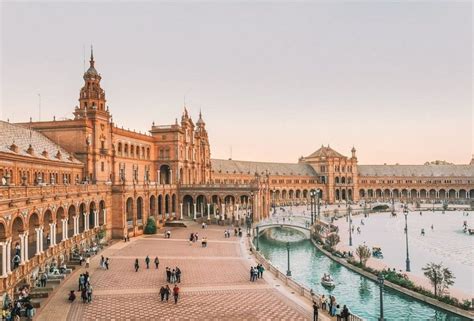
point(168, 274)
point(162, 293)
point(147, 262)
point(137, 266)
point(178, 275)
point(167, 292)
point(157, 262)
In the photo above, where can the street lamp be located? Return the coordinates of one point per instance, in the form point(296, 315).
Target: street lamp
point(257, 237)
point(318, 203)
point(313, 205)
point(381, 280)
point(405, 212)
point(288, 272)
point(350, 225)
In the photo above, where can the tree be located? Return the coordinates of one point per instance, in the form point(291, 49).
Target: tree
point(440, 277)
point(363, 252)
point(318, 228)
point(333, 239)
point(150, 227)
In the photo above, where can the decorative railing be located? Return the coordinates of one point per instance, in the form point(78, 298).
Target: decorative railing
point(15, 192)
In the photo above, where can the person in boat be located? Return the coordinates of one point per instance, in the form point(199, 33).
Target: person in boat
point(423, 232)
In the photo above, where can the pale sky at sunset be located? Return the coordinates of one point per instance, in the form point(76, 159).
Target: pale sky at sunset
point(273, 80)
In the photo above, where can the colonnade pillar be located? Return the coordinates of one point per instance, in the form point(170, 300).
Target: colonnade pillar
point(4, 258)
point(208, 211)
point(194, 208)
point(39, 240)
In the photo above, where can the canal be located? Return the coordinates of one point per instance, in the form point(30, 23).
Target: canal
point(360, 294)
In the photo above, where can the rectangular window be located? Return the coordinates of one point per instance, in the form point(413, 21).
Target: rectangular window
point(102, 166)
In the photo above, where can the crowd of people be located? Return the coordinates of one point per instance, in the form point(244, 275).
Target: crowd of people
point(334, 309)
point(21, 307)
point(256, 272)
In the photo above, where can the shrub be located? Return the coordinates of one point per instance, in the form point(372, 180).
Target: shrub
point(333, 239)
point(363, 252)
point(150, 227)
point(382, 207)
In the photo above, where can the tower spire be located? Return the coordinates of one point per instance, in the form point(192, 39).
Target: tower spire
point(92, 57)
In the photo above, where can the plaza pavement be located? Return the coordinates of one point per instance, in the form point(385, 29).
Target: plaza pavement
point(215, 283)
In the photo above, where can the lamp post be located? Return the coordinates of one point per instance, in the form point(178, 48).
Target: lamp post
point(381, 280)
point(350, 225)
point(313, 205)
point(405, 212)
point(257, 237)
point(251, 206)
point(317, 204)
point(288, 272)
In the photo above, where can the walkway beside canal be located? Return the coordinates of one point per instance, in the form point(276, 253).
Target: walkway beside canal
point(215, 283)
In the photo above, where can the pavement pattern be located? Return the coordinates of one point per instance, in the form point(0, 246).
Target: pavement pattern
point(214, 284)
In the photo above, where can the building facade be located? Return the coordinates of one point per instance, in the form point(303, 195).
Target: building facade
point(65, 182)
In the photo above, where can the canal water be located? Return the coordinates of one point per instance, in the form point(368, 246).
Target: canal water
point(360, 294)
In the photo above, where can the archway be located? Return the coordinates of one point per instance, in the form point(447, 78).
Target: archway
point(201, 205)
point(188, 205)
point(102, 213)
point(153, 205)
point(229, 202)
point(173, 204)
point(462, 193)
point(432, 194)
point(47, 220)
point(452, 194)
point(92, 209)
point(82, 218)
point(337, 195)
point(139, 211)
point(442, 194)
point(167, 205)
point(414, 193)
point(17, 229)
point(361, 193)
point(33, 224)
point(71, 214)
point(59, 224)
point(395, 194)
point(129, 211)
point(165, 174)
point(160, 204)
point(423, 193)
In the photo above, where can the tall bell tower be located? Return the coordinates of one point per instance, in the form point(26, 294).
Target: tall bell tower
point(98, 128)
point(92, 96)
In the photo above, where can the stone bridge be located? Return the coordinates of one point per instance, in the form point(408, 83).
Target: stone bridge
point(301, 227)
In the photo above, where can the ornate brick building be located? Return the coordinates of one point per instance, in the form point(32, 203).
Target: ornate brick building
point(62, 182)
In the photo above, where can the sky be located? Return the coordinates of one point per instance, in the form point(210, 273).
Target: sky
point(274, 80)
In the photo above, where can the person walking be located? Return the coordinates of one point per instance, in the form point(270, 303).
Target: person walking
point(175, 293)
point(345, 313)
point(88, 261)
point(168, 274)
point(167, 292)
point(162, 293)
point(147, 262)
point(137, 266)
point(106, 263)
point(89, 293)
point(173, 276)
point(178, 275)
point(157, 262)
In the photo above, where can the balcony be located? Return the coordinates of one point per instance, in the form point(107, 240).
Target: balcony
point(17, 192)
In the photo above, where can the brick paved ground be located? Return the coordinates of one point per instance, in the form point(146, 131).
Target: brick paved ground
point(215, 284)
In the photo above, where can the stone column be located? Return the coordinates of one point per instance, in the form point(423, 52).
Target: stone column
point(238, 211)
point(38, 240)
point(64, 229)
point(159, 177)
point(208, 211)
point(26, 246)
point(194, 208)
point(96, 218)
point(171, 176)
point(86, 221)
point(9, 255)
point(181, 209)
point(22, 247)
point(41, 232)
point(223, 210)
point(4, 258)
point(52, 233)
point(105, 216)
point(76, 224)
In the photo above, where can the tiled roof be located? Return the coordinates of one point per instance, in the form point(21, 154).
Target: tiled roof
point(232, 166)
point(416, 170)
point(325, 152)
point(23, 137)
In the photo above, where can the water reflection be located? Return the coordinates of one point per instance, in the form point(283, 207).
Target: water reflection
point(357, 292)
